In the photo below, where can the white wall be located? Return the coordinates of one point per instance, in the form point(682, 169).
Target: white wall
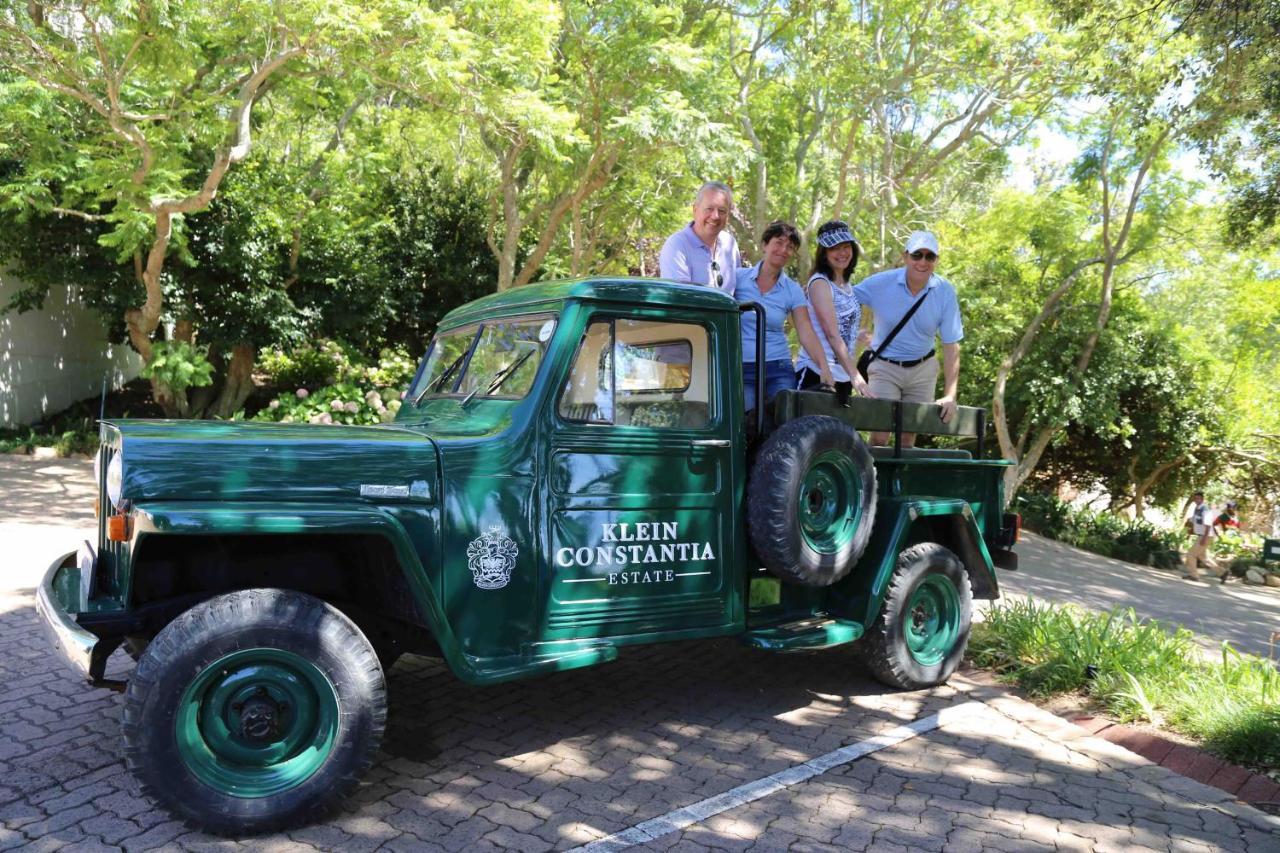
point(54, 357)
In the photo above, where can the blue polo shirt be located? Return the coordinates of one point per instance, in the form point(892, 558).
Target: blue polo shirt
point(783, 298)
point(886, 294)
point(685, 258)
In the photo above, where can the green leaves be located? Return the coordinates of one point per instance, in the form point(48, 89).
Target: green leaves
point(179, 365)
point(1139, 671)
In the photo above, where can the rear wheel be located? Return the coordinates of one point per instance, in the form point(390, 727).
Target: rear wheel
point(254, 711)
point(919, 638)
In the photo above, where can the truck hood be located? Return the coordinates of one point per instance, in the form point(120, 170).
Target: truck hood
point(236, 460)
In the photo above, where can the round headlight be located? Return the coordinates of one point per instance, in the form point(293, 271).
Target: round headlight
point(115, 478)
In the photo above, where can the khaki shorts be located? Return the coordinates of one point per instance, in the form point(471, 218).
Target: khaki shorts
point(910, 384)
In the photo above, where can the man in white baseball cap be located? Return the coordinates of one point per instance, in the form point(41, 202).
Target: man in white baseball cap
point(904, 367)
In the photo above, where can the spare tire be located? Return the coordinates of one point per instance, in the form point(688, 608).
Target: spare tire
point(811, 500)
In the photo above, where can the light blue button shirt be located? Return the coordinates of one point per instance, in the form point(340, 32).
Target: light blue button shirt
point(783, 298)
point(886, 294)
point(685, 258)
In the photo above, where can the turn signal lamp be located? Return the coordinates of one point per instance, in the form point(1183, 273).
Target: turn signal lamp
point(118, 527)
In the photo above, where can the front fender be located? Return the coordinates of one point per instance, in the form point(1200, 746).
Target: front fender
point(218, 519)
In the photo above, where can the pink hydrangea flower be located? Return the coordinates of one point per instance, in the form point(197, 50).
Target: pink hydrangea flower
point(303, 393)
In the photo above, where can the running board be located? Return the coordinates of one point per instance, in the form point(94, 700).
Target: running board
point(540, 659)
point(804, 634)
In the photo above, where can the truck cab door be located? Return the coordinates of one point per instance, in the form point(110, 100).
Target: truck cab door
point(642, 481)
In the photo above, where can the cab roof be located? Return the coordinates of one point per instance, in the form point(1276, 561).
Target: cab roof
point(550, 295)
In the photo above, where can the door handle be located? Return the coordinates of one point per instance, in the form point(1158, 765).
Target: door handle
point(711, 442)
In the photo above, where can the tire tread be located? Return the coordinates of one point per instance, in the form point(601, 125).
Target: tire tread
point(880, 648)
point(781, 462)
point(209, 620)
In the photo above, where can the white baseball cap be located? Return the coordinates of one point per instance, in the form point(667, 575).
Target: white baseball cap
point(922, 240)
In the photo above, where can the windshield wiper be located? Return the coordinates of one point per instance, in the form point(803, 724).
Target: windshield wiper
point(506, 372)
point(439, 380)
point(498, 378)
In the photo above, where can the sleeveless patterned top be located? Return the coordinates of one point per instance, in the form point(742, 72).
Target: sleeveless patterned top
point(848, 319)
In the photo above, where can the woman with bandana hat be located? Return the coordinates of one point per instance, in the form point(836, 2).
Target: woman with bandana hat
point(836, 311)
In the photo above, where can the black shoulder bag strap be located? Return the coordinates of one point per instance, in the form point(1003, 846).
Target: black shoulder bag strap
point(864, 361)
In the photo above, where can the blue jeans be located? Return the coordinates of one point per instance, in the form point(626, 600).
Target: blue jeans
point(778, 375)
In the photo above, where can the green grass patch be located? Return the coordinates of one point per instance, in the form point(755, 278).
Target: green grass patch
point(764, 592)
point(1137, 670)
point(64, 442)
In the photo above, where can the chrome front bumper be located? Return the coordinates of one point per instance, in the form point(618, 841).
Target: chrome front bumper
point(75, 644)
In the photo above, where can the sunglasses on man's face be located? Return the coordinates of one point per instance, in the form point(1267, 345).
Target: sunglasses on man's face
point(922, 255)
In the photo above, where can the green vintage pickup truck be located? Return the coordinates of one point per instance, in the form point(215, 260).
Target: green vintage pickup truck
point(571, 472)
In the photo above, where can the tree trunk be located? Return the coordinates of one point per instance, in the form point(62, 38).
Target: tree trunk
point(237, 384)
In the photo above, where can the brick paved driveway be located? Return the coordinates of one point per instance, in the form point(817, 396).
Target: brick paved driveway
point(580, 756)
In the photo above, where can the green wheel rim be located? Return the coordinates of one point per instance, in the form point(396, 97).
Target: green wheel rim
point(257, 722)
point(932, 621)
point(830, 502)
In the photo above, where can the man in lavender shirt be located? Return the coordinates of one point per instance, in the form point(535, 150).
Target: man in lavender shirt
point(702, 252)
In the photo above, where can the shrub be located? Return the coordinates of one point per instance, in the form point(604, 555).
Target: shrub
point(304, 367)
point(1136, 670)
point(361, 394)
point(179, 365)
point(64, 442)
point(1059, 649)
point(1101, 532)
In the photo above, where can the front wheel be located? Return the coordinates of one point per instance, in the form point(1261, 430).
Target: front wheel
point(920, 636)
point(254, 711)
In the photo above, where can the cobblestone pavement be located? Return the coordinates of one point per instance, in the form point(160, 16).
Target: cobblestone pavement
point(574, 758)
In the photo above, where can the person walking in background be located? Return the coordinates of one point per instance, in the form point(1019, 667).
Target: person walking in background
point(1227, 520)
point(703, 252)
point(903, 366)
point(781, 296)
point(835, 312)
point(1201, 523)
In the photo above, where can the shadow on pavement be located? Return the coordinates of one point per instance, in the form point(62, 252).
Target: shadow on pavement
point(555, 762)
point(46, 491)
point(1243, 615)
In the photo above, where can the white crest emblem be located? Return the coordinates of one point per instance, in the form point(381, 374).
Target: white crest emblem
point(491, 557)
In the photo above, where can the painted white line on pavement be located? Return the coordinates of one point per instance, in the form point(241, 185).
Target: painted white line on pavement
point(683, 818)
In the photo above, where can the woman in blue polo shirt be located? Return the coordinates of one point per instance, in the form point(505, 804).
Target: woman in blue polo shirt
point(780, 296)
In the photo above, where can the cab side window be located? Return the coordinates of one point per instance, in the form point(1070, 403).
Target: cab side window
point(641, 373)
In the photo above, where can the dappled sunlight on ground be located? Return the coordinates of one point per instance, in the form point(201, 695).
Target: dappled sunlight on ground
point(1243, 615)
point(16, 600)
point(56, 492)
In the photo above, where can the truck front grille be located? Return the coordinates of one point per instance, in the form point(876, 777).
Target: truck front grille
point(109, 553)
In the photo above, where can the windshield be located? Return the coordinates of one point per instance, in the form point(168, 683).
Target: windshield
point(497, 358)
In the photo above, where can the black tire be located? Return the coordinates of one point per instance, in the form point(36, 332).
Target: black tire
point(919, 638)
point(269, 693)
point(811, 500)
